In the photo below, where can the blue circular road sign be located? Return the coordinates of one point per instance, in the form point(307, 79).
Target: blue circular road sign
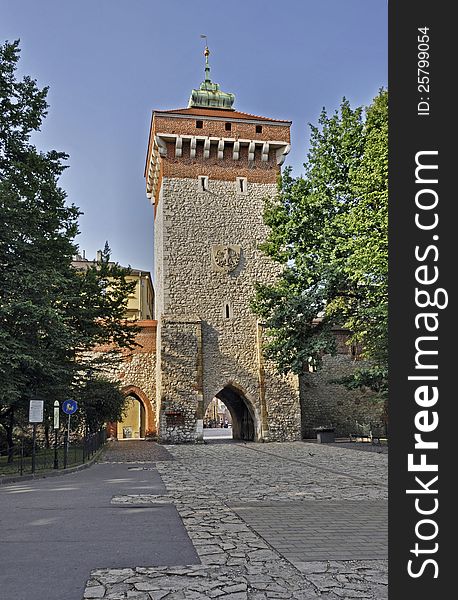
point(69, 406)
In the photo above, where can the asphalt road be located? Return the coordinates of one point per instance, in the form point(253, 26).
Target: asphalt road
point(53, 532)
point(217, 433)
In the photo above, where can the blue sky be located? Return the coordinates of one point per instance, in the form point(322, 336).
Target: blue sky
point(108, 63)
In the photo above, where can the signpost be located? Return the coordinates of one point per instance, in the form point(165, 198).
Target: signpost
point(56, 428)
point(35, 416)
point(69, 407)
point(36, 411)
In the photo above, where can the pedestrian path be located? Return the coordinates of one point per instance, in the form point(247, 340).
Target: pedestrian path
point(54, 532)
point(127, 451)
point(220, 490)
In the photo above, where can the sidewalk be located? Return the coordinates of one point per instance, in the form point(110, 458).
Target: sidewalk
point(53, 532)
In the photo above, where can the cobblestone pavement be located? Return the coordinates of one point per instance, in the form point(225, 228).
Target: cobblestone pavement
point(363, 446)
point(205, 481)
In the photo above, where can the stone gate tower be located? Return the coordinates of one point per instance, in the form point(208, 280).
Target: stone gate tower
point(209, 169)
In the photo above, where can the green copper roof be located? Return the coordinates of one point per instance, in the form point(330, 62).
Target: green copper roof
point(209, 95)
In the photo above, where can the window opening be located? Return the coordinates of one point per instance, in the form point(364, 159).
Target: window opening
point(203, 183)
point(228, 126)
point(227, 310)
point(258, 128)
point(199, 124)
point(242, 185)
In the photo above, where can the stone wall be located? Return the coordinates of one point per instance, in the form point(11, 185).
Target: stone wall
point(324, 403)
point(180, 379)
point(189, 223)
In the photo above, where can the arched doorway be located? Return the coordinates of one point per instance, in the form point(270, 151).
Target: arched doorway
point(133, 426)
point(241, 411)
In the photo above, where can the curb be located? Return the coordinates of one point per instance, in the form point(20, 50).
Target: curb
point(51, 473)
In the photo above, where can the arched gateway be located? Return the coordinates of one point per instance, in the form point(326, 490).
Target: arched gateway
point(136, 417)
point(243, 413)
point(208, 171)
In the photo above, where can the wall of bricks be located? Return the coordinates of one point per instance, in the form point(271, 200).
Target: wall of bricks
point(216, 128)
point(225, 169)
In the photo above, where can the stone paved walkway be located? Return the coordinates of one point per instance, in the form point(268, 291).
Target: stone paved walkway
point(219, 489)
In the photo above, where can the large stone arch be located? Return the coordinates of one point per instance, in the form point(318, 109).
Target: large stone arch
point(246, 423)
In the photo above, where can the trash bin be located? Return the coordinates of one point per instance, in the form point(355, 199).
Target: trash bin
point(325, 435)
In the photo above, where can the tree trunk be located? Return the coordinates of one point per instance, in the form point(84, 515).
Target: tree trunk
point(47, 440)
point(9, 437)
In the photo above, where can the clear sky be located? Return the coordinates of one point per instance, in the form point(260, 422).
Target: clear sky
point(108, 63)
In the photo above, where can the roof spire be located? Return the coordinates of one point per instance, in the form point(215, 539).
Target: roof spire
point(207, 66)
point(209, 95)
point(206, 54)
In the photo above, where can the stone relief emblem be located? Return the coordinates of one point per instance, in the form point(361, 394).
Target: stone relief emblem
point(225, 258)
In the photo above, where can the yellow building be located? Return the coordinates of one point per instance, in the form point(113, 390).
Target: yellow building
point(140, 307)
point(133, 424)
point(140, 304)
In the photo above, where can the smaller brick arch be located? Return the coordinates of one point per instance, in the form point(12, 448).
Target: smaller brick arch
point(133, 390)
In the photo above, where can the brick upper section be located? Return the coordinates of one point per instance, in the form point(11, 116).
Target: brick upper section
point(229, 126)
point(224, 170)
point(243, 125)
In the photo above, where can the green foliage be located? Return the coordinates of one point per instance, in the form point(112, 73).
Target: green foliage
point(49, 313)
point(328, 229)
point(99, 401)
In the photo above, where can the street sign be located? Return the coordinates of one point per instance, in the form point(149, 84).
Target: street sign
point(69, 406)
point(56, 414)
point(36, 411)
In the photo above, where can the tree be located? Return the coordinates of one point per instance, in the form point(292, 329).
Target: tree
point(99, 400)
point(49, 314)
point(328, 229)
point(366, 247)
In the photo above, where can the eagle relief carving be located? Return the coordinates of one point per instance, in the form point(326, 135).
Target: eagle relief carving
point(225, 258)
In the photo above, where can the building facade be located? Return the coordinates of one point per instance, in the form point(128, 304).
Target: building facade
point(140, 303)
point(209, 170)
